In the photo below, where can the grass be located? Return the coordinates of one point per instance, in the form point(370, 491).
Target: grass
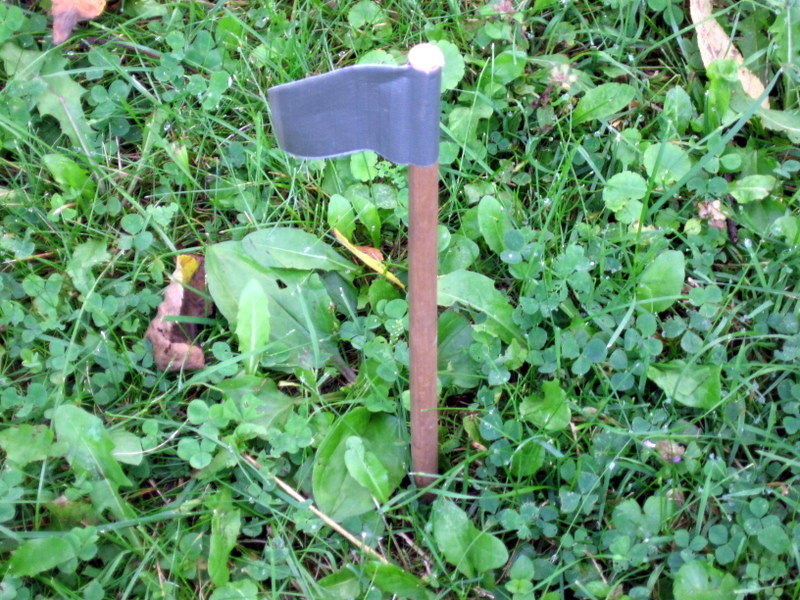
point(620, 400)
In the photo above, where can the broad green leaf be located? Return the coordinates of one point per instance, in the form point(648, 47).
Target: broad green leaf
point(627, 148)
point(470, 550)
point(377, 57)
point(785, 35)
point(228, 267)
point(40, 554)
point(341, 216)
point(252, 323)
point(602, 102)
point(550, 411)
point(256, 401)
point(57, 95)
point(336, 492)
point(787, 121)
point(523, 568)
point(774, 538)
point(11, 19)
point(362, 199)
point(462, 123)
point(693, 385)
point(365, 12)
point(127, 447)
point(698, 580)
point(658, 512)
point(459, 255)
point(342, 293)
point(341, 585)
point(89, 446)
point(507, 66)
point(89, 451)
point(666, 163)
point(540, 5)
point(453, 71)
point(218, 84)
point(627, 517)
point(477, 292)
point(678, 109)
point(761, 216)
point(197, 411)
point(290, 248)
point(366, 469)
point(394, 580)
point(527, 459)
point(307, 332)
point(362, 165)
point(660, 284)
point(132, 223)
point(241, 589)
point(752, 187)
point(226, 523)
point(622, 188)
point(787, 227)
point(630, 213)
point(448, 152)
point(25, 443)
point(302, 324)
point(69, 174)
point(84, 258)
point(493, 222)
point(456, 366)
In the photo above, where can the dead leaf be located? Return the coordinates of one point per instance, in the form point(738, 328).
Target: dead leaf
point(714, 44)
point(712, 212)
point(173, 349)
point(367, 255)
point(372, 252)
point(68, 13)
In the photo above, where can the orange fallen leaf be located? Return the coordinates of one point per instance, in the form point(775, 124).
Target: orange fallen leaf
point(367, 255)
point(68, 13)
point(714, 44)
point(173, 349)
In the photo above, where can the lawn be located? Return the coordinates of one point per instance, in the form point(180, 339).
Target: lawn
point(619, 358)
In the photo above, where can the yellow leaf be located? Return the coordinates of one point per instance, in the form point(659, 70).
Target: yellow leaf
point(185, 267)
point(373, 252)
point(368, 260)
point(714, 44)
point(68, 13)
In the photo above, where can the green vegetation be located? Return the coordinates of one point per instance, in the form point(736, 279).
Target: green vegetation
point(620, 383)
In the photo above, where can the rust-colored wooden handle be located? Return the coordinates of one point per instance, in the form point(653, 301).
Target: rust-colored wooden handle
point(423, 183)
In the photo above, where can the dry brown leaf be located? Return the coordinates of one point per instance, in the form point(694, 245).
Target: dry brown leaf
point(712, 212)
point(173, 349)
point(68, 13)
point(714, 43)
